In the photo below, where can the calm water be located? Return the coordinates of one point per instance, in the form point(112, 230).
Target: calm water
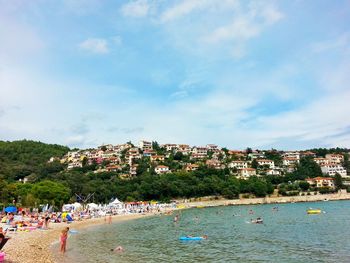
point(288, 235)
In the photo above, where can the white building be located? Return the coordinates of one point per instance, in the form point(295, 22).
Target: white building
point(321, 161)
point(161, 169)
point(333, 169)
point(184, 149)
point(246, 173)
point(238, 164)
point(295, 155)
point(200, 151)
point(145, 145)
point(335, 158)
point(74, 165)
point(267, 162)
point(273, 172)
point(170, 147)
point(288, 161)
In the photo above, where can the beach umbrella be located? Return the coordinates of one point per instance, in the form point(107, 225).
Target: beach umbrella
point(11, 209)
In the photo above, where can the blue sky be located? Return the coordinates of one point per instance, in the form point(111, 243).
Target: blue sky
point(235, 73)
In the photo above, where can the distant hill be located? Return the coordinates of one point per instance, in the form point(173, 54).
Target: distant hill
point(22, 158)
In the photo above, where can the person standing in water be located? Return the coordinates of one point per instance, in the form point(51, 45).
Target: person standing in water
point(63, 240)
point(110, 219)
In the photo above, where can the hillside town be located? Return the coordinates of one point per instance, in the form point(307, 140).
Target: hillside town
point(127, 159)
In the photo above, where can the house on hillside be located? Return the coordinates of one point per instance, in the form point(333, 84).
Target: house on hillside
point(335, 158)
point(269, 163)
point(238, 164)
point(162, 169)
point(288, 161)
point(333, 169)
point(157, 158)
point(321, 182)
point(246, 173)
point(321, 161)
point(145, 145)
point(192, 167)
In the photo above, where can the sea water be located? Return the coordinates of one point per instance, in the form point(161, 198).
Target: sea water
point(288, 234)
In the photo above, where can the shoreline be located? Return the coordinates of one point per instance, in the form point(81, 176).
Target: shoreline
point(36, 246)
point(267, 200)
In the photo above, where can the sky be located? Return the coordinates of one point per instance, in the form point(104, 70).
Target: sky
point(260, 74)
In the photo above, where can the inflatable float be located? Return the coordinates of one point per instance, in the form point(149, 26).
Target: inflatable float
point(191, 238)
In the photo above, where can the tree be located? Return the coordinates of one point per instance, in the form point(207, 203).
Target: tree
point(338, 181)
point(51, 192)
point(307, 168)
point(346, 163)
point(275, 156)
point(304, 186)
point(255, 164)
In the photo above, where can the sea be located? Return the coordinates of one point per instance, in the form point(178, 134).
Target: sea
point(288, 234)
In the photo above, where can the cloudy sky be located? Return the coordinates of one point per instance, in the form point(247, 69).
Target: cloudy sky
point(235, 73)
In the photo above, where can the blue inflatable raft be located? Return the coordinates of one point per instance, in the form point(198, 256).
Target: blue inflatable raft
point(191, 238)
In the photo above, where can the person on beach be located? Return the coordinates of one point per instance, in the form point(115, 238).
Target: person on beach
point(47, 220)
point(63, 239)
point(110, 219)
point(2, 234)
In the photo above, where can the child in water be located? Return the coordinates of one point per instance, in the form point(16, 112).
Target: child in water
point(63, 239)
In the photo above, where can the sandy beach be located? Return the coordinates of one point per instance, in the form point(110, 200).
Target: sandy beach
point(28, 247)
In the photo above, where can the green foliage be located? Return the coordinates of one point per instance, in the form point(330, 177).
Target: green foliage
point(304, 186)
point(51, 192)
point(338, 181)
point(19, 159)
point(255, 164)
point(275, 156)
point(346, 163)
point(306, 168)
point(321, 152)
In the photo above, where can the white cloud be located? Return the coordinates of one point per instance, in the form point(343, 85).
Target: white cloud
point(245, 25)
point(182, 9)
point(95, 45)
point(341, 42)
point(137, 8)
point(210, 28)
point(241, 28)
point(186, 7)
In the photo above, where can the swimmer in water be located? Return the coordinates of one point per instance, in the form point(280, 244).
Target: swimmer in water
point(118, 249)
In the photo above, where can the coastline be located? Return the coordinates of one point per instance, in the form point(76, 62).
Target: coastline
point(36, 246)
point(267, 200)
